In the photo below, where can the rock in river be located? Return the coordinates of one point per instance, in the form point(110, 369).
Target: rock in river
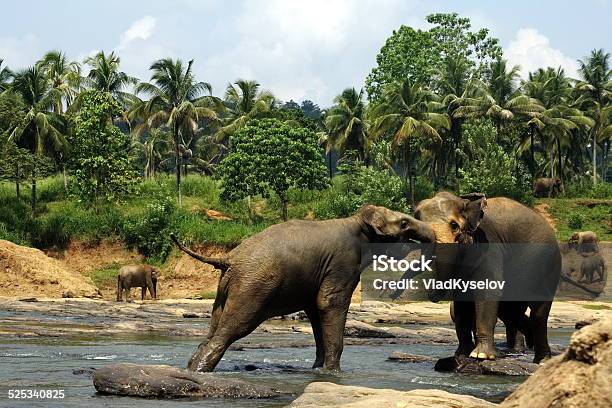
point(161, 381)
point(325, 394)
point(501, 366)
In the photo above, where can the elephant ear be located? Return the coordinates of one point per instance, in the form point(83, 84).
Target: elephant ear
point(373, 218)
point(473, 210)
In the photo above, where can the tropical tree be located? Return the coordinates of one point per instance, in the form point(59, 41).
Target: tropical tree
point(65, 76)
point(410, 114)
point(558, 121)
point(595, 92)
point(154, 148)
point(345, 124)
point(5, 76)
point(243, 101)
point(453, 80)
point(177, 102)
point(497, 97)
point(41, 130)
point(105, 76)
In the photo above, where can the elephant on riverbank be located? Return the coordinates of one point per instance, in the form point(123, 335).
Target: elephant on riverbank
point(298, 265)
point(547, 187)
point(592, 265)
point(137, 276)
point(498, 223)
point(584, 241)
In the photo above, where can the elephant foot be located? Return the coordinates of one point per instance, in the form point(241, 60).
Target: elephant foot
point(318, 363)
point(483, 351)
point(464, 351)
point(539, 359)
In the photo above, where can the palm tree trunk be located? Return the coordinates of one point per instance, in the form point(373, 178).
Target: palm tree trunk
point(594, 157)
point(177, 159)
point(559, 164)
point(284, 207)
point(331, 173)
point(65, 178)
point(532, 152)
point(33, 196)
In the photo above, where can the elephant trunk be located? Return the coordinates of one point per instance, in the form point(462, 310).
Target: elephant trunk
point(420, 231)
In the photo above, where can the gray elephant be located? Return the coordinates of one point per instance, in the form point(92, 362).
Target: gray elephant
point(591, 266)
point(298, 265)
point(547, 187)
point(134, 276)
point(503, 222)
point(584, 241)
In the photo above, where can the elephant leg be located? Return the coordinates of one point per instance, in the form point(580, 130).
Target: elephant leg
point(317, 331)
point(119, 289)
point(333, 320)
point(486, 318)
point(463, 316)
point(238, 319)
point(539, 321)
point(151, 290)
point(143, 291)
point(509, 313)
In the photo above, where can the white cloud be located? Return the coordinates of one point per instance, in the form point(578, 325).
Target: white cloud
point(305, 50)
point(532, 50)
point(20, 52)
point(139, 30)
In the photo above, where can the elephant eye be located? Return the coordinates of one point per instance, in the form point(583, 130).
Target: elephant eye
point(454, 225)
point(404, 224)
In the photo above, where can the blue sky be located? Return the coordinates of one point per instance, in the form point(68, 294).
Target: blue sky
point(296, 49)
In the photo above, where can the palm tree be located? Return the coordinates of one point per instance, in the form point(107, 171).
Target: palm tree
point(329, 142)
point(497, 98)
point(41, 130)
point(5, 76)
point(178, 102)
point(65, 76)
point(409, 113)
point(453, 85)
point(595, 92)
point(154, 148)
point(558, 121)
point(243, 101)
point(345, 123)
point(104, 76)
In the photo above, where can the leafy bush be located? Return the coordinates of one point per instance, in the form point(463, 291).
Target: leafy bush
point(367, 186)
point(584, 188)
point(489, 169)
point(149, 232)
point(575, 221)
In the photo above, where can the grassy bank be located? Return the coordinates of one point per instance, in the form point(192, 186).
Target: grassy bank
point(144, 220)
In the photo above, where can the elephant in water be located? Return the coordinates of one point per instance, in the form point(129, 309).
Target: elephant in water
point(515, 238)
point(312, 266)
point(131, 276)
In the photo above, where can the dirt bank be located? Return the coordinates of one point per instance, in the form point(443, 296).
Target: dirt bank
point(28, 271)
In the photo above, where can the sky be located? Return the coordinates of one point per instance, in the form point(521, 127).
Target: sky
point(306, 49)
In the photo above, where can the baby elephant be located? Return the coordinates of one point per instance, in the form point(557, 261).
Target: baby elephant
point(592, 265)
point(131, 276)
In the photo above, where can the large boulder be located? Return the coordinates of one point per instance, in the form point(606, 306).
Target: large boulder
point(325, 394)
point(161, 381)
point(26, 272)
point(580, 377)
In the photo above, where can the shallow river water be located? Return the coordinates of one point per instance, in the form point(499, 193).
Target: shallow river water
point(48, 363)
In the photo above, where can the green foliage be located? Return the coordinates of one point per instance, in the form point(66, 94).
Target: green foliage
point(594, 214)
point(271, 156)
point(585, 188)
point(106, 275)
point(489, 169)
point(413, 55)
point(366, 186)
point(149, 231)
point(102, 168)
point(575, 221)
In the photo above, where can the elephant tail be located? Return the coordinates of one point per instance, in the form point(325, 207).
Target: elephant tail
point(573, 282)
point(218, 263)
